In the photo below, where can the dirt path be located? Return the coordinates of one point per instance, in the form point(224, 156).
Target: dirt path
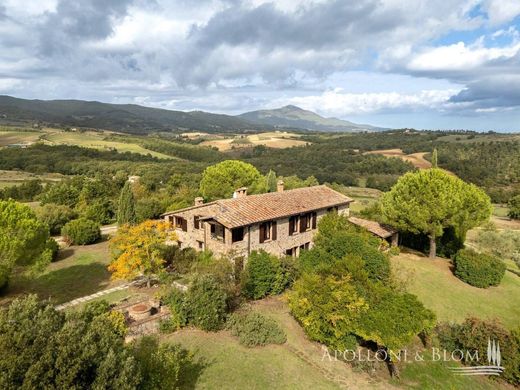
point(416, 159)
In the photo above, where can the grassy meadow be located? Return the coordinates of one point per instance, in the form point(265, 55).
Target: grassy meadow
point(78, 271)
point(453, 300)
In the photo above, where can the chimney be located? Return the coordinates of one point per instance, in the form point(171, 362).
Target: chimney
point(240, 192)
point(198, 201)
point(280, 186)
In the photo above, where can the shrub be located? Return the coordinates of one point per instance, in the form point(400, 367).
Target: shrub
point(81, 231)
point(286, 274)
point(259, 275)
point(254, 329)
point(514, 207)
point(478, 269)
point(56, 216)
point(327, 306)
point(473, 335)
point(52, 246)
point(174, 300)
point(205, 303)
point(163, 365)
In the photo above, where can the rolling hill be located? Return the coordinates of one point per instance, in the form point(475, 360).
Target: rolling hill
point(135, 119)
point(127, 118)
point(296, 117)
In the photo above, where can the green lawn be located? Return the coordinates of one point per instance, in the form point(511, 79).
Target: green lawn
point(500, 210)
point(433, 375)
point(228, 365)
point(79, 271)
point(453, 300)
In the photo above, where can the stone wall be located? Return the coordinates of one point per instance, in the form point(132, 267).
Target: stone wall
point(201, 239)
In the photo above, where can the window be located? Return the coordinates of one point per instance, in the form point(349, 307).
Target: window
point(217, 232)
point(196, 222)
point(267, 231)
point(181, 223)
point(305, 246)
point(293, 225)
point(200, 245)
point(237, 234)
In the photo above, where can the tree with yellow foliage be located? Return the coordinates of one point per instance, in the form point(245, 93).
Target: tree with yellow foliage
point(136, 250)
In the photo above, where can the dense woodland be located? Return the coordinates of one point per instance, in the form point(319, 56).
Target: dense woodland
point(491, 161)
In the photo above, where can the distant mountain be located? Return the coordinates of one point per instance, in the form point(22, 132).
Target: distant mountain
point(296, 117)
point(127, 118)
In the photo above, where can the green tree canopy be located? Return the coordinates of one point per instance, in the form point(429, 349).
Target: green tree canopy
point(514, 207)
point(22, 238)
point(126, 207)
point(428, 201)
point(220, 180)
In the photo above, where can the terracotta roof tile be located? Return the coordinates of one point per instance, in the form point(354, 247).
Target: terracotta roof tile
point(383, 231)
point(251, 209)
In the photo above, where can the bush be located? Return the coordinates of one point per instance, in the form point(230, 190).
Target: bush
point(53, 247)
point(56, 216)
point(81, 231)
point(163, 365)
point(514, 207)
point(267, 274)
point(478, 269)
point(205, 303)
point(473, 335)
point(174, 300)
point(254, 329)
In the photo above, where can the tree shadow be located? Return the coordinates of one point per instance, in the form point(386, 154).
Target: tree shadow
point(64, 254)
point(65, 284)
point(191, 372)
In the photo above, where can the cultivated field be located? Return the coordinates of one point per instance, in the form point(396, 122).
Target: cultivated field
point(18, 137)
point(274, 139)
point(10, 178)
point(417, 159)
point(96, 140)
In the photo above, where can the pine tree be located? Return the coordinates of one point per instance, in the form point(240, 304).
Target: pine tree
point(434, 158)
point(271, 181)
point(126, 207)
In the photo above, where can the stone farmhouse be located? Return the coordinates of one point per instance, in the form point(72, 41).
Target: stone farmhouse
point(281, 223)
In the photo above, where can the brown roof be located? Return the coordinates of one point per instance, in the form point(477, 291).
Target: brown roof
point(383, 231)
point(253, 209)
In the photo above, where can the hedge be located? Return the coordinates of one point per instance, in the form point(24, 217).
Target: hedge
point(81, 231)
point(478, 269)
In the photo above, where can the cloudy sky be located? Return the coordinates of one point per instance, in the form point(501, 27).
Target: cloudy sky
point(393, 63)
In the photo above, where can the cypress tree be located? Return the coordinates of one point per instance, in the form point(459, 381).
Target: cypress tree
point(434, 158)
point(271, 181)
point(126, 206)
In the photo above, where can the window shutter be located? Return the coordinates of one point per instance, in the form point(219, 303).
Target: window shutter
point(196, 221)
point(291, 226)
point(262, 233)
point(314, 215)
point(184, 225)
point(273, 232)
point(303, 223)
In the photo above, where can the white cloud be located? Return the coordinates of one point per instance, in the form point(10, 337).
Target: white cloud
point(501, 11)
point(461, 57)
point(341, 104)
